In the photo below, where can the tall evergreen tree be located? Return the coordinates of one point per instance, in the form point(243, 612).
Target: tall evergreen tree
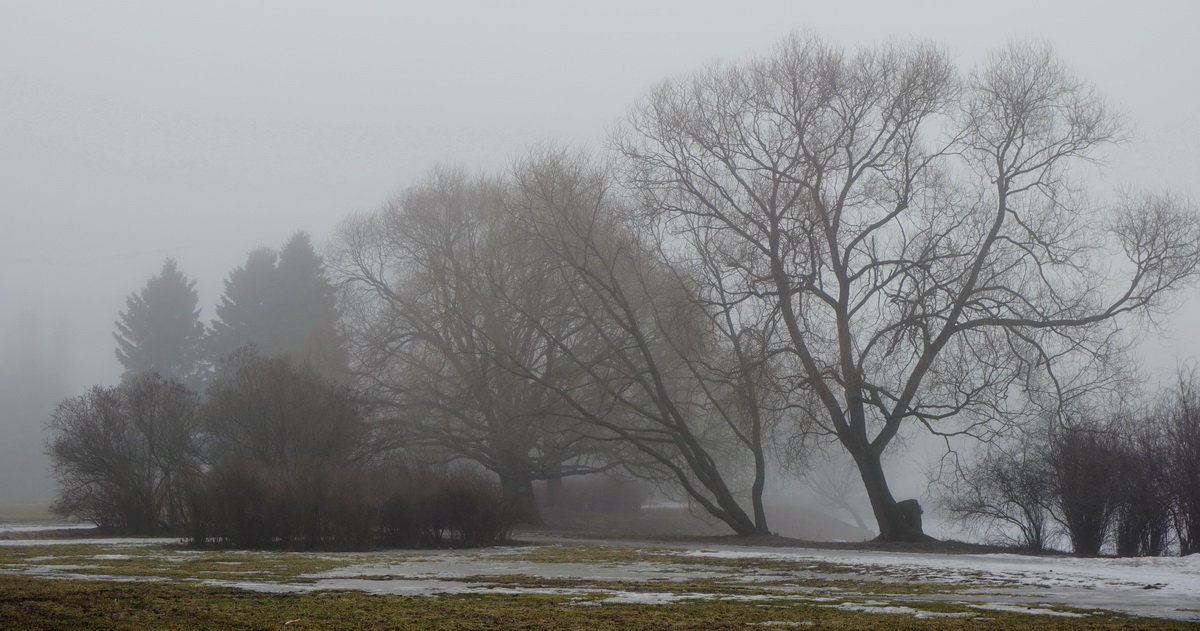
point(283, 304)
point(160, 330)
point(306, 311)
point(245, 312)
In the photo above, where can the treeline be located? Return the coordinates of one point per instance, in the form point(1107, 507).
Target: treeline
point(1126, 483)
point(815, 245)
point(275, 455)
point(282, 302)
point(248, 432)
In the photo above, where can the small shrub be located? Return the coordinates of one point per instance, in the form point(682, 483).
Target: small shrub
point(1007, 494)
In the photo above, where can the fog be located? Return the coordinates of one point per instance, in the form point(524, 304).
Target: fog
point(135, 131)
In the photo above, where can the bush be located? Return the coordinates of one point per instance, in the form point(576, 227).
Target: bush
point(1006, 493)
point(1084, 465)
point(346, 507)
point(1142, 523)
point(467, 509)
point(1183, 432)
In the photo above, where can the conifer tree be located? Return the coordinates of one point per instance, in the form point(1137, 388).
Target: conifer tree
point(245, 312)
point(306, 309)
point(282, 304)
point(160, 330)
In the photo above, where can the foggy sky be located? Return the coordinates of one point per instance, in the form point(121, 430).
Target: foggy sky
point(134, 131)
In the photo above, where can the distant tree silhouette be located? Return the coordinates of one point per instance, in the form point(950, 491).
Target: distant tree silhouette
point(306, 312)
point(283, 304)
point(160, 330)
point(244, 313)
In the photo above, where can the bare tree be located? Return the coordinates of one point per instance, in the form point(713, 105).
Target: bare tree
point(1183, 435)
point(1007, 490)
point(675, 368)
point(1142, 520)
point(276, 412)
point(440, 305)
point(917, 232)
point(122, 455)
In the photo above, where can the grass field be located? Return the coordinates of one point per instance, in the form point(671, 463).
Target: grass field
point(132, 584)
point(42, 603)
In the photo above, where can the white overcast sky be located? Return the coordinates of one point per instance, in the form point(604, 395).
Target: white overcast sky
point(135, 130)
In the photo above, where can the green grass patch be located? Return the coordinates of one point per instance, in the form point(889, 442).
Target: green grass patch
point(171, 562)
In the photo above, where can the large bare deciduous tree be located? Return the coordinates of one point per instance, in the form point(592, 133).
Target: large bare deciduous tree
point(917, 230)
point(441, 305)
point(675, 368)
point(524, 324)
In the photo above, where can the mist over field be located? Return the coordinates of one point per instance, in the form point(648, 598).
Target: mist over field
point(138, 132)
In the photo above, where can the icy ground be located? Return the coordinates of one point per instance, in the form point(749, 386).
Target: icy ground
point(628, 571)
point(1146, 586)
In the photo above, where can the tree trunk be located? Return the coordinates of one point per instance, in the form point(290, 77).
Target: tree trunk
point(894, 524)
point(518, 492)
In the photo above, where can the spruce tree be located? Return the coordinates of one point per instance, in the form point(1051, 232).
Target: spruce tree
point(160, 330)
point(282, 304)
point(245, 312)
point(306, 309)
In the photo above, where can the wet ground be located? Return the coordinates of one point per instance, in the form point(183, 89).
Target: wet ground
point(633, 571)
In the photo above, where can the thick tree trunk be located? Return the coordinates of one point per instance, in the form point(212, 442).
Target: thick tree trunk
point(756, 493)
point(894, 523)
point(518, 492)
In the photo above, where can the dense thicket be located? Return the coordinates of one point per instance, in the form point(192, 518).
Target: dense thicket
point(327, 506)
